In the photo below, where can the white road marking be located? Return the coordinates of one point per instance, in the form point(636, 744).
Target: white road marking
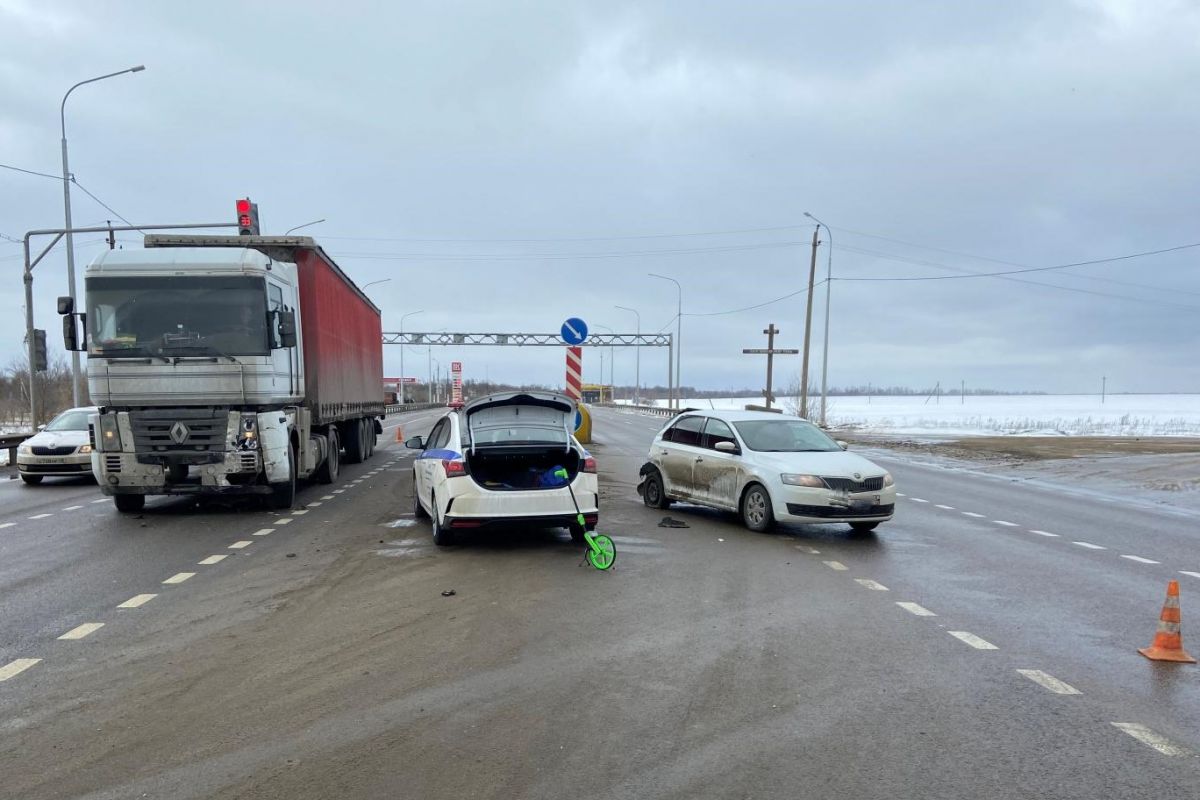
point(180, 577)
point(1090, 546)
point(137, 600)
point(972, 514)
point(360, 480)
point(1048, 681)
point(6, 525)
point(240, 545)
point(338, 491)
point(939, 505)
point(1193, 574)
point(918, 610)
point(1141, 560)
point(835, 565)
point(284, 521)
point(263, 532)
point(83, 630)
point(812, 551)
point(870, 584)
point(973, 640)
point(901, 494)
point(1043, 533)
point(315, 504)
point(15, 668)
point(299, 512)
point(327, 497)
point(918, 500)
point(101, 500)
point(208, 562)
point(1006, 523)
point(72, 508)
point(41, 516)
point(1151, 739)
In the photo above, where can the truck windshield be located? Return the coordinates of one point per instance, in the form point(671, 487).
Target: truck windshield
point(177, 316)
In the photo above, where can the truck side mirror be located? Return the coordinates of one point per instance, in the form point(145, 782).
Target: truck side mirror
point(66, 305)
point(71, 330)
point(287, 328)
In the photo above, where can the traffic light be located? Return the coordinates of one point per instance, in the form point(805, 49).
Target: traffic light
point(247, 214)
point(40, 363)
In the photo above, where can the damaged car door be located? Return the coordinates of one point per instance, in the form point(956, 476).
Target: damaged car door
point(677, 452)
point(717, 471)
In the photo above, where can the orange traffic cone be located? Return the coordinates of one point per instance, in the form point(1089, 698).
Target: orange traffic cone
point(399, 435)
point(1168, 641)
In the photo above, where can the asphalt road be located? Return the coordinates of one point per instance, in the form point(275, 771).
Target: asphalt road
point(322, 660)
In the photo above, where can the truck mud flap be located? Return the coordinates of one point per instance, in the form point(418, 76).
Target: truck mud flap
point(273, 439)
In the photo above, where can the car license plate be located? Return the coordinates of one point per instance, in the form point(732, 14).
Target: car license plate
point(861, 504)
point(45, 460)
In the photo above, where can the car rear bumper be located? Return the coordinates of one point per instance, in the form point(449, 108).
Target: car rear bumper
point(524, 521)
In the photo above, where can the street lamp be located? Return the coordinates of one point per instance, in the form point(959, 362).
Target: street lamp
point(678, 334)
point(305, 225)
point(828, 289)
point(372, 283)
point(62, 118)
point(637, 381)
point(402, 318)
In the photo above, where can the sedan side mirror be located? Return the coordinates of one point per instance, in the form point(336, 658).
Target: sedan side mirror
point(843, 445)
point(415, 443)
point(726, 447)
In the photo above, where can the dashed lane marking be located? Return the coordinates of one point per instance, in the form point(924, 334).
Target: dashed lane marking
point(812, 551)
point(870, 584)
point(1151, 739)
point(338, 491)
point(918, 500)
point(72, 508)
point(835, 565)
point(179, 577)
point(1006, 523)
point(1090, 546)
point(947, 508)
point(244, 543)
point(327, 497)
point(4, 525)
point(1193, 574)
point(101, 500)
point(1048, 681)
point(41, 516)
point(299, 512)
point(217, 559)
point(15, 668)
point(263, 532)
point(284, 521)
point(972, 514)
point(1043, 533)
point(82, 630)
point(901, 494)
point(137, 601)
point(918, 610)
point(1141, 560)
point(315, 504)
point(973, 640)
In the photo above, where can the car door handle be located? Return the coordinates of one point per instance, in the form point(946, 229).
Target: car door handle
point(699, 459)
point(663, 453)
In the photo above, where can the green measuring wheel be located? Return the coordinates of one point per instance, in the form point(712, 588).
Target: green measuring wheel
point(601, 551)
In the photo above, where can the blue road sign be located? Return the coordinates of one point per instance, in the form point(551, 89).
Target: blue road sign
point(574, 331)
point(578, 419)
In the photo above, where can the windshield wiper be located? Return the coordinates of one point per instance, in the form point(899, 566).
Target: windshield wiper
point(207, 347)
point(131, 352)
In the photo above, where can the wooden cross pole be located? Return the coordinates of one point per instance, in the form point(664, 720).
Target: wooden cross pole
point(770, 351)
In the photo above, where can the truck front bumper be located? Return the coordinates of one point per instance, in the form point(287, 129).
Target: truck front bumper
point(227, 473)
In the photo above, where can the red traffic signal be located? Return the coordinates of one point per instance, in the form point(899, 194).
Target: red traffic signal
point(247, 217)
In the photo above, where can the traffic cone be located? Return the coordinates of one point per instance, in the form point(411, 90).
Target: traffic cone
point(1168, 641)
point(399, 435)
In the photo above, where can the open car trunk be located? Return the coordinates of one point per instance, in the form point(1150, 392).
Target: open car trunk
point(518, 440)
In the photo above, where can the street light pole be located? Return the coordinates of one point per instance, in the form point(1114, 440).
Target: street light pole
point(637, 381)
point(305, 225)
point(828, 291)
point(402, 318)
point(62, 118)
point(678, 335)
point(612, 360)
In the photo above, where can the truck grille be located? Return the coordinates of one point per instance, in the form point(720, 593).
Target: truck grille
point(179, 430)
point(112, 463)
point(53, 451)
point(851, 485)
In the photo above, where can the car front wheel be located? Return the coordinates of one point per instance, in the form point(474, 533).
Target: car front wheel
point(863, 527)
point(756, 509)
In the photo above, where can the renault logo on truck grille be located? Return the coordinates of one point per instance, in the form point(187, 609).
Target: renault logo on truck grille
point(179, 433)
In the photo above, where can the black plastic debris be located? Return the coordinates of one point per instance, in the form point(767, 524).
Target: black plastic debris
point(669, 522)
point(449, 593)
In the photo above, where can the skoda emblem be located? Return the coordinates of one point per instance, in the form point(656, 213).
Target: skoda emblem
point(857, 477)
point(179, 433)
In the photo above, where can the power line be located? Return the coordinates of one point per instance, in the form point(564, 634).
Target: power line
point(758, 305)
point(566, 256)
point(565, 238)
point(101, 202)
point(32, 172)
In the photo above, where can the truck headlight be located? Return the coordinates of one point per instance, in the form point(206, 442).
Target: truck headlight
point(25, 450)
point(888, 480)
point(110, 434)
point(248, 433)
point(811, 481)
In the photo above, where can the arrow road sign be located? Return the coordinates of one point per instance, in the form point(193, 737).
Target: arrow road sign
point(574, 331)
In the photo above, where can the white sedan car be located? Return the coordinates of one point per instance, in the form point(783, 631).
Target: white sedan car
point(62, 447)
point(499, 461)
point(766, 467)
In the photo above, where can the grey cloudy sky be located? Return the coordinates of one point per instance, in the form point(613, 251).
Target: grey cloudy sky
point(431, 135)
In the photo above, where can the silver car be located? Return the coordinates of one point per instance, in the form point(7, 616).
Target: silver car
point(61, 447)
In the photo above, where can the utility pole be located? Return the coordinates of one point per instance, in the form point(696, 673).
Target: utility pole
point(812, 276)
point(770, 352)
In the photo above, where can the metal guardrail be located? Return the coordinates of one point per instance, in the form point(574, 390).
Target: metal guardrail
point(10, 442)
point(396, 408)
point(655, 410)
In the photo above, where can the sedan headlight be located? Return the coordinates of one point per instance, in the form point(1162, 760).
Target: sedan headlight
point(888, 480)
point(110, 435)
point(25, 450)
point(84, 449)
point(811, 481)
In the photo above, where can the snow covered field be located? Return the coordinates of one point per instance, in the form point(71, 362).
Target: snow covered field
point(1028, 415)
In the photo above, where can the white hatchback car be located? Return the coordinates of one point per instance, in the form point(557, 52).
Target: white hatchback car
point(766, 467)
point(498, 460)
point(62, 447)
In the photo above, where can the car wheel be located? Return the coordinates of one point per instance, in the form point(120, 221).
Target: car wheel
point(863, 527)
point(442, 536)
point(756, 509)
point(653, 494)
point(328, 472)
point(32, 480)
point(283, 495)
point(129, 503)
point(418, 510)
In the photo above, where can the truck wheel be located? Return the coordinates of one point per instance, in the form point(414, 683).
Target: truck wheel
point(283, 495)
point(328, 472)
point(129, 503)
point(653, 494)
point(369, 435)
point(442, 536)
point(353, 437)
point(32, 480)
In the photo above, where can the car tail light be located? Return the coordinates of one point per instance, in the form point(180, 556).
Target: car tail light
point(589, 465)
point(454, 467)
